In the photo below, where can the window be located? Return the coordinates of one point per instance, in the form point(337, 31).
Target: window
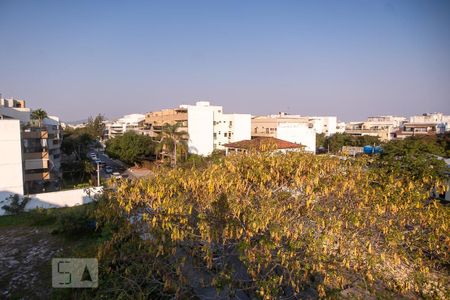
point(256, 129)
point(225, 134)
point(215, 135)
point(267, 130)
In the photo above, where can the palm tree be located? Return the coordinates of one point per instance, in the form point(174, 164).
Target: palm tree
point(86, 168)
point(39, 115)
point(172, 137)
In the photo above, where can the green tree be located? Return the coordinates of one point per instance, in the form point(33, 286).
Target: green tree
point(320, 140)
point(95, 127)
point(173, 140)
point(130, 147)
point(39, 115)
point(416, 156)
point(76, 142)
point(338, 140)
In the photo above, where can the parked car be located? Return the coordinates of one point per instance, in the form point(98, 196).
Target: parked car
point(117, 175)
point(108, 169)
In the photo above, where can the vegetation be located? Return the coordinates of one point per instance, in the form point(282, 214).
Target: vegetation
point(417, 156)
point(39, 115)
point(130, 147)
point(77, 141)
point(272, 226)
point(94, 127)
point(76, 221)
point(172, 140)
point(335, 142)
point(75, 144)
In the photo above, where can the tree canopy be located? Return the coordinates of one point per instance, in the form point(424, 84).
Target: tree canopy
point(172, 140)
point(39, 115)
point(417, 156)
point(130, 147)
point(274, 226)
point(338, 140)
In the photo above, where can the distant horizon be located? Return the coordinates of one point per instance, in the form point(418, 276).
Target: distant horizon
point(85, 119)
point(351, 59)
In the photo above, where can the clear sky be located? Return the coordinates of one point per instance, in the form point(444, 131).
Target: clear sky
point(352, 58)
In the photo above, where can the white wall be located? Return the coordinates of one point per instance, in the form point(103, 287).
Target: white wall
point(205, 121)
point(200, 130)
point(242, 127)
point(325, 125)
point(60, 199)
point(298, 133)
point(11, 172)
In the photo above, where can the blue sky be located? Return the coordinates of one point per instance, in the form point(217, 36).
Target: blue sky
point(352, 58)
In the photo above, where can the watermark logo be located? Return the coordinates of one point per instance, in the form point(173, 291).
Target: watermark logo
point(74, 272)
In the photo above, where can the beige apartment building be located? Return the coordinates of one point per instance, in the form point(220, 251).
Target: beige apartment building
point(292, 128)
point(383, 127)
point(419, 129)
point(155, 120)
point(37, 149)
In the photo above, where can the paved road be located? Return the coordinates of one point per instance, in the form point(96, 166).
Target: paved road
point(117, 165)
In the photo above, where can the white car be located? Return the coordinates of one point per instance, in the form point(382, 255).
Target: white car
point(117, 175)
point(108, 169)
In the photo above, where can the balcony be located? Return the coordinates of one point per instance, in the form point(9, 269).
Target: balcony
point(37, 176)
point(35, 164)
point(36, 155)
point(35, 135)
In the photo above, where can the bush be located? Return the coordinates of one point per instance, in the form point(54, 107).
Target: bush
point(75, 221)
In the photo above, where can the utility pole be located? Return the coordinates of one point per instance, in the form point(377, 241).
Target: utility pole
point(98, 174)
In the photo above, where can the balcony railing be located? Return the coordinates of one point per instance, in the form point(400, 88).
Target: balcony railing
point(35, 135)
point(37, 176)
point(36, 155)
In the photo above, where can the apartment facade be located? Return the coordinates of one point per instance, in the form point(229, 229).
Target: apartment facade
point(291, 128)
point(133, 122)
point(419, 129)
point(34, 152)
point(210, 129)
point(441, 120)
point(326, 125)
point(14, 109)
point(11, 170)
point(383, 127)
point(156, 120)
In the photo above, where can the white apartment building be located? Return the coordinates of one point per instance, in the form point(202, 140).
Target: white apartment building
point(210, 129)
point(293, 129)
point(30, 157)
point(11, 172)
point(326, 125)
point(14, 109)
point(297, 133)
point(133, 122)
point(432, 118)
point(340, 127)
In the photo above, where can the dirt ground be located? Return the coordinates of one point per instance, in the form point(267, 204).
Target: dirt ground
point(25, 262)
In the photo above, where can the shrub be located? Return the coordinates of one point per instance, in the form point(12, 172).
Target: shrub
point(75, 221)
